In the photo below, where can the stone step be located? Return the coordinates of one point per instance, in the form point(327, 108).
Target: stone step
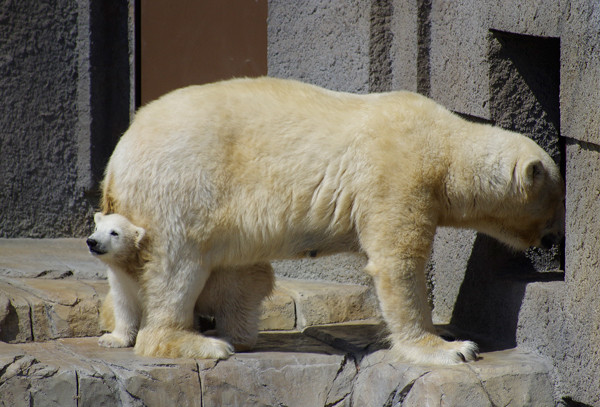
point(320, 345)
point(38, 309)
point(288, 368)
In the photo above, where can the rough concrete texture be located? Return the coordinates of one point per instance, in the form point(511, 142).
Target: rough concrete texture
point(49, 258)
point(65, 77)
point(39, 85)
point(342, 268)
point(525, 66)
point(321, 344)
point(580, 70)
point(459, 45)
point(325, 43)
point(287, 368)
point(520, 65)
point(57, 305)
point(63, 106)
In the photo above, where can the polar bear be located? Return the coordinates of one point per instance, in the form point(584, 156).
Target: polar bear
point(239, 172)
point(232, 296)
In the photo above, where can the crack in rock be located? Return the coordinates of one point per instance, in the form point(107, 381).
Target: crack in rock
point(478, 377)
point(396, 398)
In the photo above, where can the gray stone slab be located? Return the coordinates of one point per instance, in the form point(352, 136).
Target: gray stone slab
point(498, 378)
point(287, 371)
point(49, 258)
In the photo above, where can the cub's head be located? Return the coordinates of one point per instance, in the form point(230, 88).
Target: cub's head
point(115, 239)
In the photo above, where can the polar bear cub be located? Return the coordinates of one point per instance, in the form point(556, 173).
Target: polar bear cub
point(240, 172)
point(231, 295)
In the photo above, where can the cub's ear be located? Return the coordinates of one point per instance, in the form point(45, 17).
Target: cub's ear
point(98, 217)
point(532, 172)
point(139, 235)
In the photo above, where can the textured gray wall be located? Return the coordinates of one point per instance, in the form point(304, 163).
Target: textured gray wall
point(65, 88)
point(527, 66)
point(66, 80)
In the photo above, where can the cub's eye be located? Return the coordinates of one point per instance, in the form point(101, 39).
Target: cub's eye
point(113, 233)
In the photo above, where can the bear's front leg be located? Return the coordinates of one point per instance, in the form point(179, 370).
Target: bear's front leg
point(170, 295)
point(121, 312)
point(397, 240)
point(401, 289)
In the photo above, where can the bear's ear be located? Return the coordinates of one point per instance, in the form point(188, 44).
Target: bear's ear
point(139, 235)
point(98, 217)
point(532, 172)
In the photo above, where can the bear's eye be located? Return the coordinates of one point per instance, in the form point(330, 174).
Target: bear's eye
point(113, 233)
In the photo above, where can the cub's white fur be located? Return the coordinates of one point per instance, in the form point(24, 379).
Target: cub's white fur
point(116, 242)
point(240, 172)
point(232, 295)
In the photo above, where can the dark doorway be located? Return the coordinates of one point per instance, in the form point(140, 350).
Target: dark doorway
point(184, 42)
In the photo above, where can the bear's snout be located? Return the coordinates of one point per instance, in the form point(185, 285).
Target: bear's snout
point(91, 243)
point(550, 240)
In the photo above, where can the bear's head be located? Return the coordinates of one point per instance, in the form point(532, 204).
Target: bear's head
point(115, 240)
point(530, 207)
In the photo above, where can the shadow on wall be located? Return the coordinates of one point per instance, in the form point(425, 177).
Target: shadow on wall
point(490, 297)
point(524, 81)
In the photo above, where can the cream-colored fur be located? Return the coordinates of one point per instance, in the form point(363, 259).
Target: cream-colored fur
point(244, 171)
point(232, 295)
point(118, 243)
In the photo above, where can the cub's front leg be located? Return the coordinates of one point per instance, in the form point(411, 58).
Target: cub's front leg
point(121, 311)
point(399, 276)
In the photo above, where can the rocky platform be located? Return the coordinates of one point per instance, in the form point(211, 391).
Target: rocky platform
point(320, 345)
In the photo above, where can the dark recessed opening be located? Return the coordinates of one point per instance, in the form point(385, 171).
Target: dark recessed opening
point(525, 97)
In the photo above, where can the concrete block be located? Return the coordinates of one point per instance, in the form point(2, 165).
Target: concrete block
point(407, 46)
point(499, 378)
point(49, 258)
point(16, 320)
point(286, 364)
point(341, 268)
point(41, 309)
point(278, 312)
point(459, 36)
point(332, 37)
point(580, 70)
point(64, 81)
point(318, 303)
point(227, 383)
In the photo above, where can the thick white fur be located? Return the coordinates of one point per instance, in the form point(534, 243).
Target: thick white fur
point(232, 295)
point(116, 242)
point(244, 171)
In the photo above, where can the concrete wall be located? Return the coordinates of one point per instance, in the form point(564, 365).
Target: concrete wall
point(531, 66)
point(65, 84)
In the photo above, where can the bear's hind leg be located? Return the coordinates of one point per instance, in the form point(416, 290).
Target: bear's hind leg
point(236, 294)
point(169, 297)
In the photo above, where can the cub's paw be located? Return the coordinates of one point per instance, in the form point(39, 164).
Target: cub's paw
point(114, 341)
point(174, 343)
point(432, 349)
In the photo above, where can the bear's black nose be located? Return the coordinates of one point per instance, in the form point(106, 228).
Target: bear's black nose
point(91, 242)
point(550, 240)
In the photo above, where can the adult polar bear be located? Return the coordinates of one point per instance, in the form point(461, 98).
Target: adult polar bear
point(243, 171)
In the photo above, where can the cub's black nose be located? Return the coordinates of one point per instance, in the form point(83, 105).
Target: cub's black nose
point(91, 243)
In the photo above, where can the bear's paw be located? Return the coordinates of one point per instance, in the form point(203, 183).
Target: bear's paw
point(432, 349)
point(110, 340)
point(175, 343)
